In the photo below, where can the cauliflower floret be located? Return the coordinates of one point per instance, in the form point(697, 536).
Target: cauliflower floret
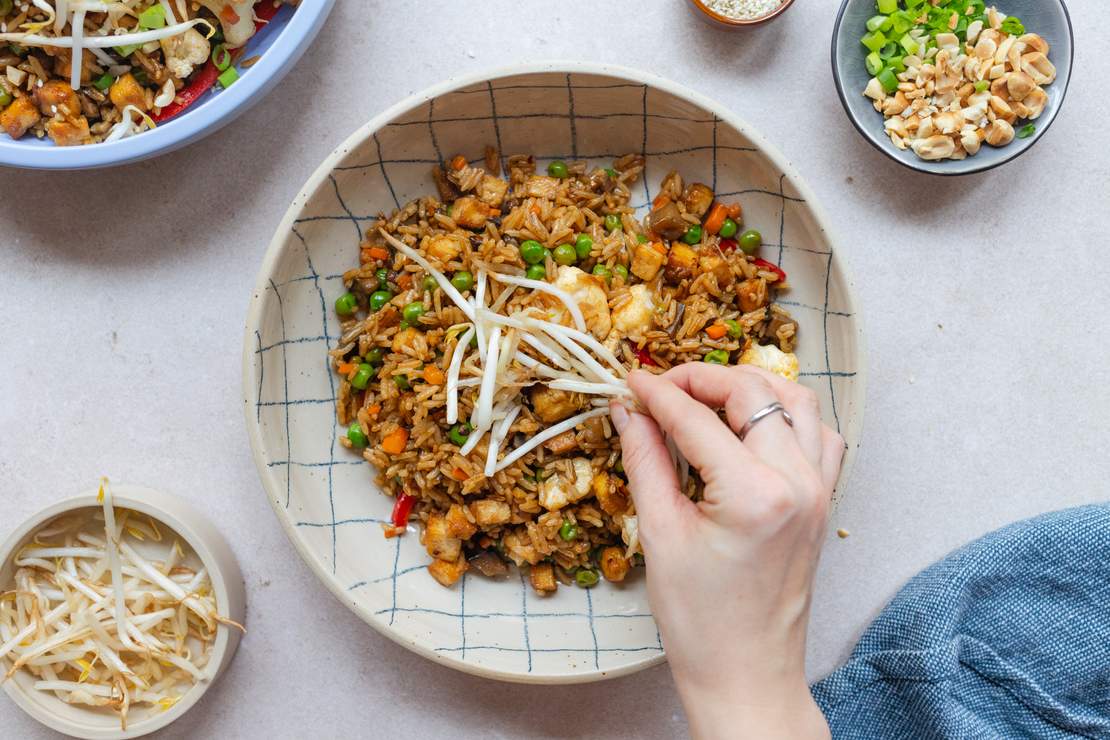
point(556, 492)
point(185, 51)
point(771, 358)
point(240, 27)
point(587, 290)
point(635, 315)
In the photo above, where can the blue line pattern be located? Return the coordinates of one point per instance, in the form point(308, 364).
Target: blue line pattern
point(328, 491)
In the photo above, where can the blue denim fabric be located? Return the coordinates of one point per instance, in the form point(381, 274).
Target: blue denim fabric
point(1008, 637)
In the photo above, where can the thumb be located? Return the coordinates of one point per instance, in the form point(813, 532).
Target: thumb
point(651, 473)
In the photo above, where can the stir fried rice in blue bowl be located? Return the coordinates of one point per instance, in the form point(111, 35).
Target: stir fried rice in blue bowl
point(95, 83)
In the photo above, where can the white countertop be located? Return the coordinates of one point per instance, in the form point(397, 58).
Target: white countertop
point(124, 294)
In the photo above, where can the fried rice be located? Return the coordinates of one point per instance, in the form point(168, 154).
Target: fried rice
point(488, 326)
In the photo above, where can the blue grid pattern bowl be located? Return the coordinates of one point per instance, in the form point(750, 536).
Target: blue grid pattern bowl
point(280, 45)
point(324, 495)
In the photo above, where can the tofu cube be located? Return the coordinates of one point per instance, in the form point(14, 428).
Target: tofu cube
point(542, 577)
point(444, 247)
point(553, 405)
point(446, 572)
point(438, 541)
point(491, 191)
point(589, 292)
point(490, 513)
point(634, 316)
point(458, 524)
point(614, 565)
point(646, 262)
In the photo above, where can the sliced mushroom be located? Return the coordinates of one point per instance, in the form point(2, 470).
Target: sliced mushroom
point(667, 221)
point(697, 198)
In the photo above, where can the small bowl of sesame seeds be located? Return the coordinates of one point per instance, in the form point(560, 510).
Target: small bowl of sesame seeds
point(733, 14)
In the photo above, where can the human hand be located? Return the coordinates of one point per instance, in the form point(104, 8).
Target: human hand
point(730, 577)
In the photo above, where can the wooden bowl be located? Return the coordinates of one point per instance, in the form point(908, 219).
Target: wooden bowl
point(701, 10)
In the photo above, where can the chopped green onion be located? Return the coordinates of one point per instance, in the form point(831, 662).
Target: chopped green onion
point(878, 23)
point(1013, 26)
point(909, 44)
point(982, 85)
point(888, 80)
point(1027, 130)
point(887, 7)
point(641, 239)
point(153, 17)
point(874, 63)
point(717, 357)
point(873, 41)
point(611, 172)
point(221, 57)
point(228, 77)
point(104, 82)
point(127, 50)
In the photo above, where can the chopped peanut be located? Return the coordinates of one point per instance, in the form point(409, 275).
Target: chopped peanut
point(18, 118)
point(126, 91)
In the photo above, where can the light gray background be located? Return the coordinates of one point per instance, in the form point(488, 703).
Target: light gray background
point(123, 295)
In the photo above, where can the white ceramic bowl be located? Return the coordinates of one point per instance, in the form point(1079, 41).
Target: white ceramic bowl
point(209, 546)
point(324, 494)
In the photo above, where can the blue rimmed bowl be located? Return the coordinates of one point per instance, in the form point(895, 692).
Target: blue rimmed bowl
point(1048, 18)
point(325, 496)
point(279, 45)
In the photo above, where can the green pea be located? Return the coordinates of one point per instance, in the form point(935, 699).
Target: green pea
point(734, 329)
point(583, 245)
point(401, 382)
point(462, 280)
point(379, 298)
point(430, 283)
point(558, 169)
point(346, 304)
point(362, 376)
point(565, 255)
point(536, 272)
point(459, 433)
point(568, 531)
point(374, 357)
point(750, 241)
point(412, 312)
point(382, 275)
point(619, 466)
point(586, 578)
point(611, 172)
point(612, 222)
point(604, 272)
point(531, 251)
point(728, 229)
point(357, 436)
point(5, 96)
point(692, 235)
point(717, 357)
point(642, 239)
point(621, 271)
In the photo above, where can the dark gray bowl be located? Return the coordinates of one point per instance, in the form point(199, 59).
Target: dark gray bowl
point(1049, 18)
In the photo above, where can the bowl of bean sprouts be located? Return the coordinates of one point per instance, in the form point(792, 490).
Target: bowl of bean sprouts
point(119, 608)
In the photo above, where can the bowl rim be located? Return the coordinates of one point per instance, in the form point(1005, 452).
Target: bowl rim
point(180, 516)
point(292, 41)
point(734, 23)
point(937, 168)
point(365, 132)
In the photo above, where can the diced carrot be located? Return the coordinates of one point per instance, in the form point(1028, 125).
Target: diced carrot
point(735, 211)
point(364, 256)
point(374, 409)
point(394, 442)
point(459, 474)
point(717, 331)
point(229, 15)
point(659, 247)
point(660, 200)
point(378, 253)
point(405, 281)
point(433, 375)
point(716, 218)
point(495, 211)
point(458, 162)
point(346, 368)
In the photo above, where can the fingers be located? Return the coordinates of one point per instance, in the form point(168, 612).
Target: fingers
point(703, 439)
point(651, 475)
point(832, 454)
point(741, 392)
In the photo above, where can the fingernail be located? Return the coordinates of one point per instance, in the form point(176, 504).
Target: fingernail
point(619, 415)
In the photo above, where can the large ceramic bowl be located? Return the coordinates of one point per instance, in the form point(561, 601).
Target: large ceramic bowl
point(1049, 18)
point(280, 44)
point(324, 495)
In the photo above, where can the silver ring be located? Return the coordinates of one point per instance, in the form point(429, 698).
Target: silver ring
point(763, 413)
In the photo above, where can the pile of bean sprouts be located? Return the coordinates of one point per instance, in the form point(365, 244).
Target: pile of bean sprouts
point(575, 360)
point(97, 623)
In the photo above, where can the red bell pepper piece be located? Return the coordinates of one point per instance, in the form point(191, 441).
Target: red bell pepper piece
point(728, 245)
point(401, 509)
point(264, 12)
point(645, 358)
point(770, 267)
